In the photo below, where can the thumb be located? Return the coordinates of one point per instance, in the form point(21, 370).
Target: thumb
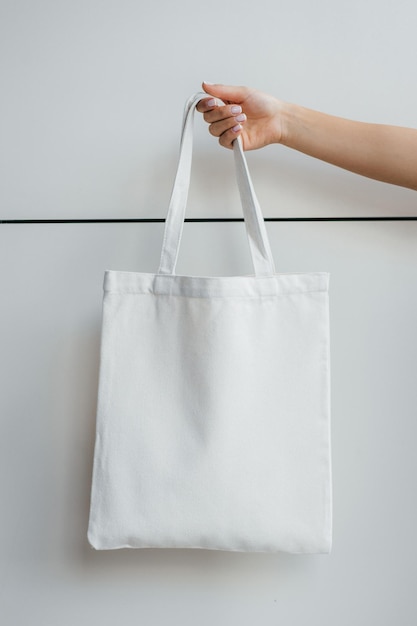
point(227, 93)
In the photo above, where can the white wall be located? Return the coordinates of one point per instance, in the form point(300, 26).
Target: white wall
point(92, 98)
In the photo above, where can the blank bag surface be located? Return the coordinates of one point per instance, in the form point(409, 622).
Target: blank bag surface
point(213, 415)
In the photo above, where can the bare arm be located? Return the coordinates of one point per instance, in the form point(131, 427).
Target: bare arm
point(378, 151)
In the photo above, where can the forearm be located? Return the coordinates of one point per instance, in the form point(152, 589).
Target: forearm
point(382, 152)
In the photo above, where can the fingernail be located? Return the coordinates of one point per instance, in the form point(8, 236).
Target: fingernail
point(240, 118)
point(211, 102)
point(236, 109)
point(207, 83)
point(236, 128)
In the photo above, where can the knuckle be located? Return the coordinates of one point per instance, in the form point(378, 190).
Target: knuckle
point(231, 136)
point(212, 130)
point(224, 140)
point(212, 116)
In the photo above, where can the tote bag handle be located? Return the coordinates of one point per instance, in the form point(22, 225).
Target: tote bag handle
point(262, 259)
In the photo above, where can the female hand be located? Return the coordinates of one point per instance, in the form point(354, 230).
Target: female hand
point(254, 115)
point(379, 151)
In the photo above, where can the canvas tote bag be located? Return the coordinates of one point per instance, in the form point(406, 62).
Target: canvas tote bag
point(213, 416)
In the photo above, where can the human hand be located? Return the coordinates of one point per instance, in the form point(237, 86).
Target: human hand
point(254, 115)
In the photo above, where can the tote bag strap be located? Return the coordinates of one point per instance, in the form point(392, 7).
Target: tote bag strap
point(262, 259)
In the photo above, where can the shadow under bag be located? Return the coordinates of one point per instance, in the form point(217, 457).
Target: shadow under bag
point(213, 415)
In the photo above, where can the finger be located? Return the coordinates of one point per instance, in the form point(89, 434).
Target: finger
point(207, 104)
point(226, 140)
point(222, 112)
point(218, 128)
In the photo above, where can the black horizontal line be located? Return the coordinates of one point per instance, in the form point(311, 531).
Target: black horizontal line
point(213, 219)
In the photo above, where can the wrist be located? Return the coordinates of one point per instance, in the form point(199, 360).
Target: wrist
point(286, 123)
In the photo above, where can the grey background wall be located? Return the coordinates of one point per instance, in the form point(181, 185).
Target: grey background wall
point(92, 97)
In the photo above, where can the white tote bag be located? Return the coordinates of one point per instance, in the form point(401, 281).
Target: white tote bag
point(213, 416)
